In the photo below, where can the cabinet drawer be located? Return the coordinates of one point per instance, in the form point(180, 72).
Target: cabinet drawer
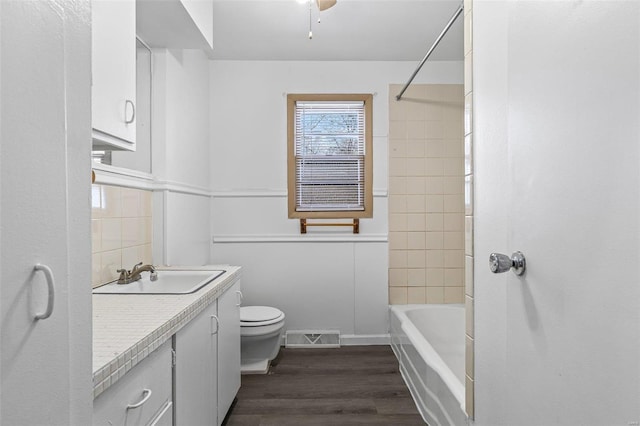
point(152, 374)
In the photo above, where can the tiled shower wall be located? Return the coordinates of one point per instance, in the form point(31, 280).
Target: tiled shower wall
point(426, 194)
point(120, 230)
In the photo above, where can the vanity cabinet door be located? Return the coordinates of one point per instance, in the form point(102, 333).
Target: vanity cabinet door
point(195, 377)
point(228, 349)
point(114, 74)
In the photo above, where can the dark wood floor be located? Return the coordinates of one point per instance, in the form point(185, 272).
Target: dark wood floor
point(353, 385)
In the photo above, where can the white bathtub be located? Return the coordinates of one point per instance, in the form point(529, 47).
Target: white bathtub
point(429, 342)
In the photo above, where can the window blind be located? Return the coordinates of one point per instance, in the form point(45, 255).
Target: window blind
point(330, 155)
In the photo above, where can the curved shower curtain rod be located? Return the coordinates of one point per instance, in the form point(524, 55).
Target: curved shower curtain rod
point(435, 44)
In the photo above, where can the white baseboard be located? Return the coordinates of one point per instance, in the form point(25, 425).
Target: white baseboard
point(365, 339)
point(361, 339)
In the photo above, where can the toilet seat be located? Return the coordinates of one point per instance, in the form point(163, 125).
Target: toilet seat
point(258, 316)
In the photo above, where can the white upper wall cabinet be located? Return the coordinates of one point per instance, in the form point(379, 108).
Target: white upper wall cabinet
point(176, 24)
point(114, 74)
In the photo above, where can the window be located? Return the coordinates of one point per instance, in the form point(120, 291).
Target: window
point(330, 168)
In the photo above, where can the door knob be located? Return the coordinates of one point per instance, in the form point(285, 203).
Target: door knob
point(499, 263)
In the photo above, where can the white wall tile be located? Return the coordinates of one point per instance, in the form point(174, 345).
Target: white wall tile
point(454, 277)
point(111, 234)
point(416, 185)
point(453, 294)
point(416, 222)
point(398, 277)
point(435, 277)
point(397, 259)
point(111, 204)
point(435, 294)
point(454, 258)
point(96, 235)
point(416, 259)
point(111, 262)
point(416, 295)
point(416, 240)
point(434, 241)
point(434, 185)
point(425, 166)
point(434, 258)
point(416, 277)
point(398, 295)
point(434, 203)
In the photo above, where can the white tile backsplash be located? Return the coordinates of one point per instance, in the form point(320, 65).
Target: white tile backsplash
point(120, 230)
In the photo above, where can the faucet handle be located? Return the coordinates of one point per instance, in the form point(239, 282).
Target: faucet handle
point(136, 266)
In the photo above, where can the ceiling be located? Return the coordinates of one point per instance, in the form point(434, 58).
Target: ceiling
point(373, 30)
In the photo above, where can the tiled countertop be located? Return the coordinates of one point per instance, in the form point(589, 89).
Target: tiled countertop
point(127, 327)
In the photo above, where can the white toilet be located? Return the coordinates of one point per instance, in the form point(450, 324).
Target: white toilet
point(261, 329)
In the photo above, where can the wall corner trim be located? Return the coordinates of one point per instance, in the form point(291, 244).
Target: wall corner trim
point(117, 176)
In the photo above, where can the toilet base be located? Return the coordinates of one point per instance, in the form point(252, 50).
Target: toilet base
point(255, 367)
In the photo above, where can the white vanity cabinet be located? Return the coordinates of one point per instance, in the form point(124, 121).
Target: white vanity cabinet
point(142, 397)
point(113, 74)
point(207, 371)
point(193, 377)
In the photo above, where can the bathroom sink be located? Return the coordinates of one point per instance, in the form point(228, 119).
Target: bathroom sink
point(168, 282)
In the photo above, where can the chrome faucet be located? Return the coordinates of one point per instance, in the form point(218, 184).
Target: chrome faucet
point(127, 277)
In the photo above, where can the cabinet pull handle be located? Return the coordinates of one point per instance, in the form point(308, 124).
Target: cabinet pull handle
point(50, 286)
point(217, 324)
point(146, 395)
point(240, 298)
point(133, 111)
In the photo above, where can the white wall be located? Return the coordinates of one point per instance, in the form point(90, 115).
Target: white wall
point(180, 157)
point(556, 155)
point(328, 279)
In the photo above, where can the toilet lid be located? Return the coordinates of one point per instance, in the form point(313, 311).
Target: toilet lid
point(259, 313)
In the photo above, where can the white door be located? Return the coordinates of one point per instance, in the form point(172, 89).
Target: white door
point(557, 153)
point(45, 127)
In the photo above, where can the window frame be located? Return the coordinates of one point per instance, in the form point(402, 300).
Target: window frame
point(368, 157)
